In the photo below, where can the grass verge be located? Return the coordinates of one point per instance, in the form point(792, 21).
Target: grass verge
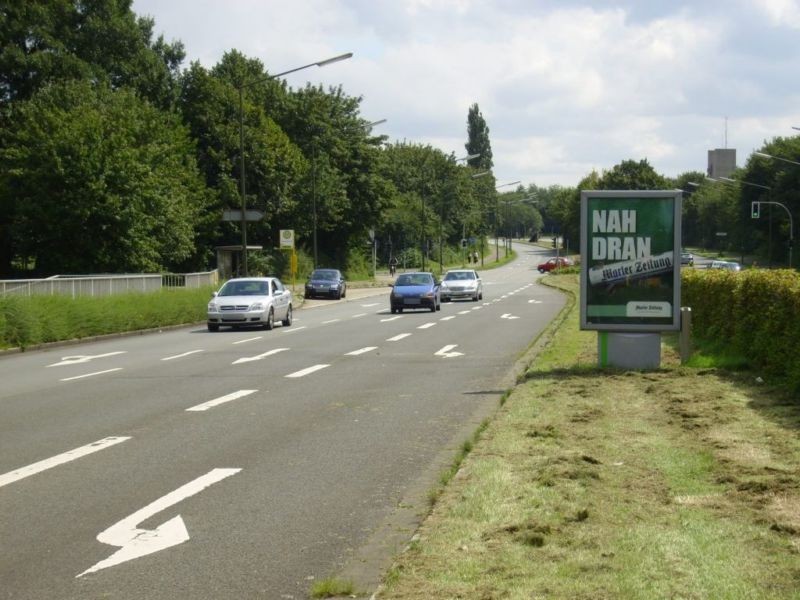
point(677, 483)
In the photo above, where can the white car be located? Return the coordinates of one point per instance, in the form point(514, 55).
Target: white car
point(461, 283)
point(250, 301)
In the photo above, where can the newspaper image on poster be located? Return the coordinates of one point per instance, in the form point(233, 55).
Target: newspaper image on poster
point(630, 274)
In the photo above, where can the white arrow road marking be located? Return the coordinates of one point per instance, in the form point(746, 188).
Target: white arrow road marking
point(91, 374)
point(445, 352)
point(508, 316)
point(82, 358)
point(181, 355)
point(66, 457)
point(534, 301)
point(398, 337)
point(135, 542)
point(221, 400)
point(392, 318)
point(253, 339)
point(447, 318)
point(247, 359)
point(426, 325)
point(308, 371)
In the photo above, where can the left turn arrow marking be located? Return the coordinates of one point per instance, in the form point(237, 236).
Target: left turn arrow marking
point(135, 542)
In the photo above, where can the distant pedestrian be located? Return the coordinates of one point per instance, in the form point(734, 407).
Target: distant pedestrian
point(475, 257)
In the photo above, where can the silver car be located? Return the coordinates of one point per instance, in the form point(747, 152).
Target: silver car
point(462, 283)
point(250, 301)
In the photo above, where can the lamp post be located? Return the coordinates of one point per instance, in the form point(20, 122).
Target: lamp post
point(441, 213)
point(496, 235)
point(788, 212)
point(241, 87)
point(314, 189)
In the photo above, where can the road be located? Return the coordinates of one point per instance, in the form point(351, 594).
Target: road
point(247, 464)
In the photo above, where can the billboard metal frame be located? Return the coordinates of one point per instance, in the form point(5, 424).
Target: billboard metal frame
point(638, 199)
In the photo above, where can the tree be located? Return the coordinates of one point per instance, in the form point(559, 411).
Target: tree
point(478, 140)
point(103, 182)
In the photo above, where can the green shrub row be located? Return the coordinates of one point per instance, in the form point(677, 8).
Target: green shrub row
point(755, 312)
point(40, 319)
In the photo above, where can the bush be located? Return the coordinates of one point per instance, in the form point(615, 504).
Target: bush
point(756, 312)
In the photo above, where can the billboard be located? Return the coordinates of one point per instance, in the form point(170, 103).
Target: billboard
point(630, 260)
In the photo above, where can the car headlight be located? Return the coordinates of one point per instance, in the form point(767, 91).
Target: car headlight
point(257, 306)
point(212, 307)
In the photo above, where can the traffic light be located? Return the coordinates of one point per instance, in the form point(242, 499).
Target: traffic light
point(755, 209)
point(555, 244)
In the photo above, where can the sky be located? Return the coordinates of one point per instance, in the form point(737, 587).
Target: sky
point(565, 86)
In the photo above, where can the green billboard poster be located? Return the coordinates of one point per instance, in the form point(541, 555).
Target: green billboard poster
point(630, 260)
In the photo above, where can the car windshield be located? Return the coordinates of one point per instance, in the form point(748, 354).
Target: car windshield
point(459, 275)
point(245, 288)
point(415, 279)
point(325, 275)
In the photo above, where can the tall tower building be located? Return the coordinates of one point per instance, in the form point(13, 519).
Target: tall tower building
point(721, 162)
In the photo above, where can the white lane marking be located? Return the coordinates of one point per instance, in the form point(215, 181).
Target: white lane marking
point(463, 312)
point(508, 316)
point(391, 319)
point(135, 542)
point(307, 371)
point(398, 337)
point(534, 301)
point(247, 359)
point(182, 355)
point(248, 340)
point(447, 318)
point(359, 315)
point(446, 351)
point(477, 307)
point(361, 351)
point(293, 329)
point(83, 358)
point(60, 459)
point(370, 305)
point(221, 400)
point(426, 325)
point(331, 321)
point(91, 374)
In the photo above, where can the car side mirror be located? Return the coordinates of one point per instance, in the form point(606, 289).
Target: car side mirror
point(214, 294)
point(391, 285)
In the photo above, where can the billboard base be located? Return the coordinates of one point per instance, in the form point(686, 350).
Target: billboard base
point(633, 351)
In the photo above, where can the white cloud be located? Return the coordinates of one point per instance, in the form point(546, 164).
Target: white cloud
point(563, 88)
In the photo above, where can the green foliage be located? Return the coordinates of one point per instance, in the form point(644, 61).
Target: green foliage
point(755, 312)
point(36, 320)
point(478, 140)
point(99, 181)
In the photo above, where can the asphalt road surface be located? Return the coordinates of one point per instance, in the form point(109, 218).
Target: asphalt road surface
point(247, 464)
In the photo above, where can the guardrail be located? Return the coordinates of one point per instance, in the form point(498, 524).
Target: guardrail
point(105, 285)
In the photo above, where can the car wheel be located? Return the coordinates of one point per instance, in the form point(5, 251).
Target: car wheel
point(439, 306)
point(541, 270)
point(270, 323)
point(400, 310)
point(338, 295)
point(288, 320)
point(480, 296)
point(213, 327)
point(344, 291)
point(394, 310)
point(433, 306)
point(475, 297)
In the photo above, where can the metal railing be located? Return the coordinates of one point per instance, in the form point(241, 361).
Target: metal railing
point(105, 285)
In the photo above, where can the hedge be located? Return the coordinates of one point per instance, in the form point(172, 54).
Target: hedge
point(756, 312)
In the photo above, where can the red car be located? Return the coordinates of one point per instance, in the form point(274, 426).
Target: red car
point(555, 263)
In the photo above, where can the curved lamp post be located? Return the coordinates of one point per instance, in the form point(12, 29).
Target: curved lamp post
point(441, 214)
point(496, 203)
point(241, 87)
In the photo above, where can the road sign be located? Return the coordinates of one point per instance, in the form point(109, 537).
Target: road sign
point(287, 238)
point(722, 233)
point(236, 215)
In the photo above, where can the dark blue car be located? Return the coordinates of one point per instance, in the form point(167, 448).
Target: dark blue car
point(326, 282)
point(415, 290)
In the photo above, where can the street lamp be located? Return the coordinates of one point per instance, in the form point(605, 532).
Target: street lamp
point(496, 202)
point(424, 244)
point(241, 87)
point(314, 189)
